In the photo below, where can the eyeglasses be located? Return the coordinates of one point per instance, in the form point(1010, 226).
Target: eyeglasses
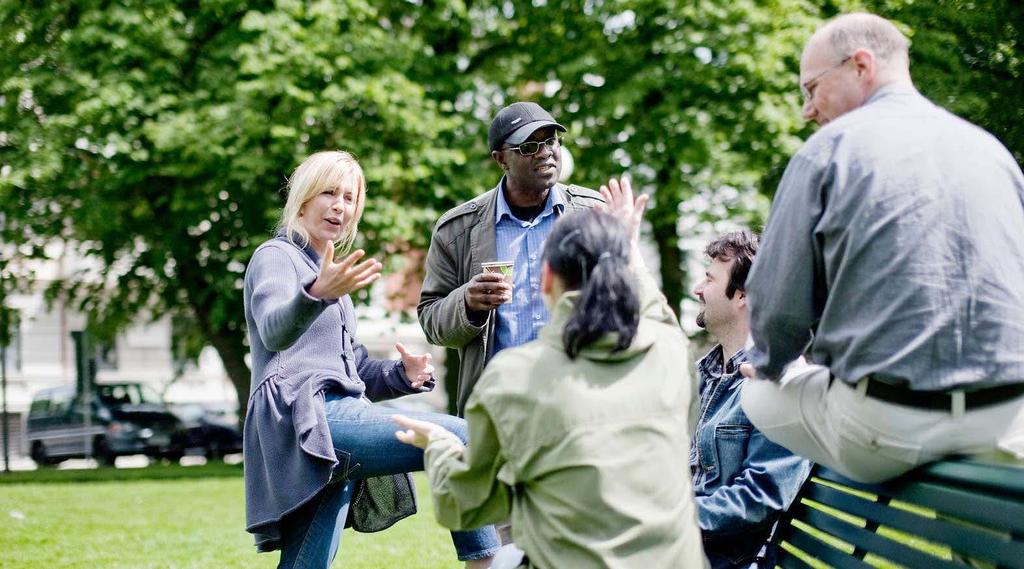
point(531, 147)
point(808, 88)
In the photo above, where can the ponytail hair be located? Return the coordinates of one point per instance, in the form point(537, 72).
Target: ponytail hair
point(589, 251)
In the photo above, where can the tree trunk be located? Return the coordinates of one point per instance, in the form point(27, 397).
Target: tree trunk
point(232, 352)
point(673, 277)
point(664, 219)
point(228, 342)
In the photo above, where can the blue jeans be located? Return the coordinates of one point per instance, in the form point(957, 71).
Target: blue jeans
point(364, 436)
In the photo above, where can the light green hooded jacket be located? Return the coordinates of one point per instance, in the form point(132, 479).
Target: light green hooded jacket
point(589, 456)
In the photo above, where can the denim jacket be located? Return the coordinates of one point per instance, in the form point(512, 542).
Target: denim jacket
point(742, 481)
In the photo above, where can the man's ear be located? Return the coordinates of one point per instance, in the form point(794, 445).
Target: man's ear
point(546, 280)
point(499, 157)
point(866, 63)
point(741, 297)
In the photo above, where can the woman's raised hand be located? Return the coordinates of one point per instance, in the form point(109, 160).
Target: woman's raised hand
point(619, 201)
point(335, 280)
point(418, 368)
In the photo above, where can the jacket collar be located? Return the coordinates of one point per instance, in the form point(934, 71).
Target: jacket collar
point(308, 252)
point(712, 366)
point(889, 91)
point(555, 202)
point(482, 238)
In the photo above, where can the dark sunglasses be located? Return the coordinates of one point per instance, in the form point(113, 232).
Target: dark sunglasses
point(530, 147)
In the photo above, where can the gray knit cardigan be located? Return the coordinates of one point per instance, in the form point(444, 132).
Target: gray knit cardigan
point(301, 346)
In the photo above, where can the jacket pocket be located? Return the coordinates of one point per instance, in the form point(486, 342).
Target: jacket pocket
point(731, 448)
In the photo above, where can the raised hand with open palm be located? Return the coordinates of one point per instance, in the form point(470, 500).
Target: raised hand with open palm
point(335, 280)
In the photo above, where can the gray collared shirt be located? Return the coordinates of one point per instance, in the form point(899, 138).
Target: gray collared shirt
point(895, 248)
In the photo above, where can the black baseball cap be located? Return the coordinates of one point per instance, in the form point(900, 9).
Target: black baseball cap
point(516, 122)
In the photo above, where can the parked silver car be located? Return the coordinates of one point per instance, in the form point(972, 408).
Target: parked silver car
point(123, 419)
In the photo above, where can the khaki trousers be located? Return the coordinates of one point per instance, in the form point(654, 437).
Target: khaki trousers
point(869, 440)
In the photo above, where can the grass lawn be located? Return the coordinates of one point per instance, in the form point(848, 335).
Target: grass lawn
point(174, 517)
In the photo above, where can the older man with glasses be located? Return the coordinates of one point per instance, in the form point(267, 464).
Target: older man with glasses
point(894, 256)
point(480, 313)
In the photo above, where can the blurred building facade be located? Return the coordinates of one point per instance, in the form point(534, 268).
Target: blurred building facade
point(42, 353)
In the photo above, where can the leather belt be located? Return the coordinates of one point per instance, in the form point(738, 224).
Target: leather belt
point(941, 400)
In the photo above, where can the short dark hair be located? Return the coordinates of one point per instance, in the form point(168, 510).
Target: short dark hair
point(590, 251)
point(738, 246)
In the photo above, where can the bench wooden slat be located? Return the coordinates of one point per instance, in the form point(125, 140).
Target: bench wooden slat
point(1003, 479)
point(968, 505)
point(963, 539)
point(994, 477)
point(972, 507)
point(875, 543)
point(821, 551)
point(792, 562)
point(971, 504)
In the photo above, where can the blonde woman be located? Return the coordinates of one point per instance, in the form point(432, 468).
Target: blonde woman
point(318, 454)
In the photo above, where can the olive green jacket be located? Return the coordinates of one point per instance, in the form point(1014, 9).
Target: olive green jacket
point(590, 456)
point(463, 238)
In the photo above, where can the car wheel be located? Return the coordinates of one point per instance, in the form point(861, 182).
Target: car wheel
point(214, 452)
point(102, 453)
point(38, 454)
point(174, 457)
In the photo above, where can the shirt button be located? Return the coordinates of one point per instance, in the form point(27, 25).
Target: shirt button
point(536, 316)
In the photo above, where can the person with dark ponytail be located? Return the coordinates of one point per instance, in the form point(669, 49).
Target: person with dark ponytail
point(591, 255)
point(569, 432)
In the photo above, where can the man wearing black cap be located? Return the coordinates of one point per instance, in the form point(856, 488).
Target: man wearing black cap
point(479, 313)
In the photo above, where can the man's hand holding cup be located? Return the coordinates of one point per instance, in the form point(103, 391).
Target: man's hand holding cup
point(491, 288)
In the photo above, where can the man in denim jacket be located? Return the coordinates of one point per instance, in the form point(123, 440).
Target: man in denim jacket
point(742, 481)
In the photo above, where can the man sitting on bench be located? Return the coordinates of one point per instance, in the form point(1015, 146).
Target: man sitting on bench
point(742, 481)
point(894, 253)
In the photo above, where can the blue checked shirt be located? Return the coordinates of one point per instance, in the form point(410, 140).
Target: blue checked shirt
point(522, 242)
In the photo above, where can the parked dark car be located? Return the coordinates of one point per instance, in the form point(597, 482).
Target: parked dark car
point(213, 430)
point(123, 419)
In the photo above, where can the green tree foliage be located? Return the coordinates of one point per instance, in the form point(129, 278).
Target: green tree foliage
point(968, 57)
point(693, 99)
point(154, 137)
point(696, 100)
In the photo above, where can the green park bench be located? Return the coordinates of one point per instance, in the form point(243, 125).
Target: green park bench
point(962, 513)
